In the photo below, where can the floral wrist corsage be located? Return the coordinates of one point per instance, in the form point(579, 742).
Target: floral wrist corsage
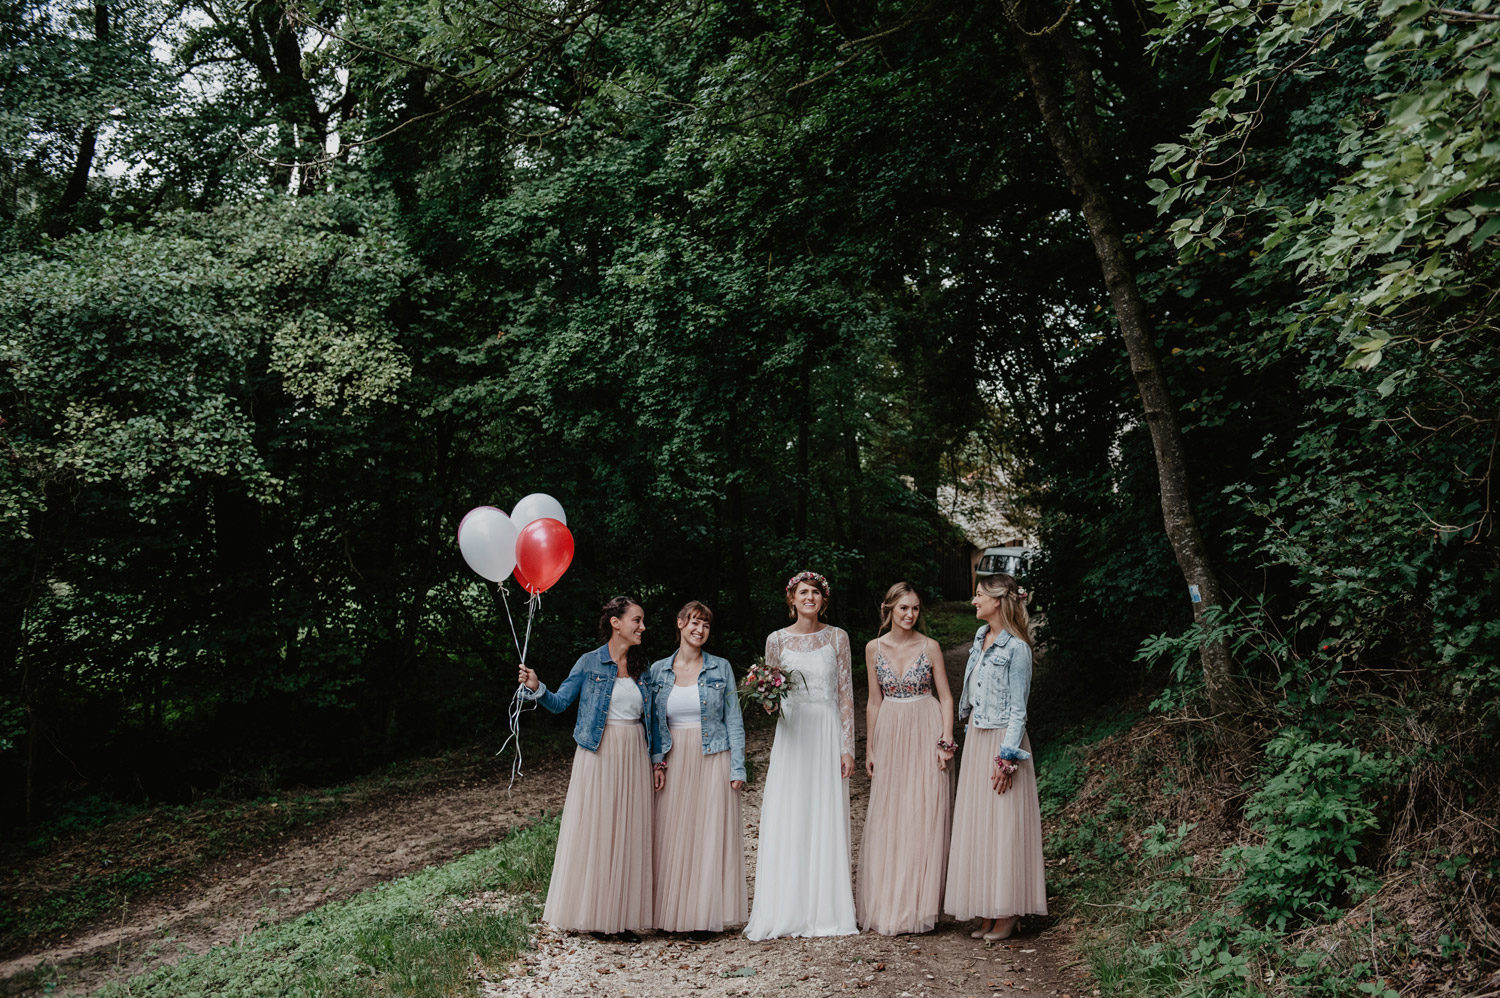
point(1006, 766)
point(660, 767)
point(947, 746)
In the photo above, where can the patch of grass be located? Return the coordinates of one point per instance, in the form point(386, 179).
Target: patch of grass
point(951, 623)
point(1064, 761)
point(76, 871)
point(418, 936)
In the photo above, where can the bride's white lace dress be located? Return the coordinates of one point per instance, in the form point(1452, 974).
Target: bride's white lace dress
point(802, 882)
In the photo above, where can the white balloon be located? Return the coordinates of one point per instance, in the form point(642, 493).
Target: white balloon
point(536, 506)
point(487, 540)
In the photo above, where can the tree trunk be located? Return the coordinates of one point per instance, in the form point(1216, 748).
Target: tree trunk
point(83, 162)
point(1076, 139)
point(804, 430)
point(739, 559)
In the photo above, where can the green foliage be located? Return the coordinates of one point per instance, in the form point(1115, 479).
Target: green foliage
point(1167, 920)
point(1419, 200)
point(1317, 816)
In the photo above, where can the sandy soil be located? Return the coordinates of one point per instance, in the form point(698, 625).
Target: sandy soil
point(397, 836)
point(943, 962)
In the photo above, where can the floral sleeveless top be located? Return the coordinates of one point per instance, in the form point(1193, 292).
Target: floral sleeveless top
point(916, 681)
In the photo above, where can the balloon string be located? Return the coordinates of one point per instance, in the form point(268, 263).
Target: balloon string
point(518, 704)
point(532, 605)
point(504, 599)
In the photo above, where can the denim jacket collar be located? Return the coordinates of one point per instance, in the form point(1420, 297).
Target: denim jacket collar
point(719, 709)
point(708, 660)
point(1001, 641)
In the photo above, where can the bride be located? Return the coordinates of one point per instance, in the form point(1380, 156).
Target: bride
point(802, 883)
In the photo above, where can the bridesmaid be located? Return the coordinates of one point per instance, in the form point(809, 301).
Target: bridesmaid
point(601, 873)
point(995, 870)
point(904, 852)
point(699, 842)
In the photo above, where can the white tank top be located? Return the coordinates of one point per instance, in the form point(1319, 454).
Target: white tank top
point(683, 710)
point(625, 703)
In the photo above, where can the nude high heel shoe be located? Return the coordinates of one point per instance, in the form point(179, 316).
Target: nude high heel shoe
point(998, 933)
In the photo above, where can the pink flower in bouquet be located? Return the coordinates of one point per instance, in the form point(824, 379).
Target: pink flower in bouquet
point(765, 686)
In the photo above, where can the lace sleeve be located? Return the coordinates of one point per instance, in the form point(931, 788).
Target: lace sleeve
point(773, 649)
point(846, 687)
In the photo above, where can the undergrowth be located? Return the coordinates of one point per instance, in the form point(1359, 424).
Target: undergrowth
point(1352, 852)
point(951, 623)
point(422, 935)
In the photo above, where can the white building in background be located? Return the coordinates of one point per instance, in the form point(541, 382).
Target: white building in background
point(980, 507)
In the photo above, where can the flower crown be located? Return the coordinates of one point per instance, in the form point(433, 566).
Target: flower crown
point(812, 577)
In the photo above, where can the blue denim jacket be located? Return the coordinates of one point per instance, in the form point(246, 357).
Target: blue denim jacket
point(1003, 675)
point(592, 683)
point(718, 705)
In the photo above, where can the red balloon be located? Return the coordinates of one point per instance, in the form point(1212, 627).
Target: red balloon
point(524, 582)
point(544, 550)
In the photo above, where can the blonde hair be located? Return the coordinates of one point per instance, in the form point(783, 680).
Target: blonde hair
point(888, 606)
point(1012, 604)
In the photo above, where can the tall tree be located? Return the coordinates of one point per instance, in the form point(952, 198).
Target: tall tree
point(1069, 110)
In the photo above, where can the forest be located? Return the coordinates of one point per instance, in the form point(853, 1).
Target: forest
point(1201, 291)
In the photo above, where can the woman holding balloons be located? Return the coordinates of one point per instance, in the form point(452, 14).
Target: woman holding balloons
point(602, 873)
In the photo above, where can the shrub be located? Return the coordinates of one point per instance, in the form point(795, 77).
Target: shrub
point(1316, 815)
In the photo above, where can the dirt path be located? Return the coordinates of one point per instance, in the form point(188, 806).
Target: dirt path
point(380, 843)
point(366, 846)
point(942, 963)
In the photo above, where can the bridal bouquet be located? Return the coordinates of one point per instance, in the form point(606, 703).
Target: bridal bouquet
point(765, 685)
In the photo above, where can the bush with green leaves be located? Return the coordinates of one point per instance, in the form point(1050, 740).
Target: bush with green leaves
point(1317, 814)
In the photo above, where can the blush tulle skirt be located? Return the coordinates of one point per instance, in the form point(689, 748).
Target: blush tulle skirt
point(903, 854)
point(601, 874)
point(995, 865)
point(700, 841)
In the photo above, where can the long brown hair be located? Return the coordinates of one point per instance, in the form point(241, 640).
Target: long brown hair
point(635, 656)
point(1012, 600)
point(888, 606)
